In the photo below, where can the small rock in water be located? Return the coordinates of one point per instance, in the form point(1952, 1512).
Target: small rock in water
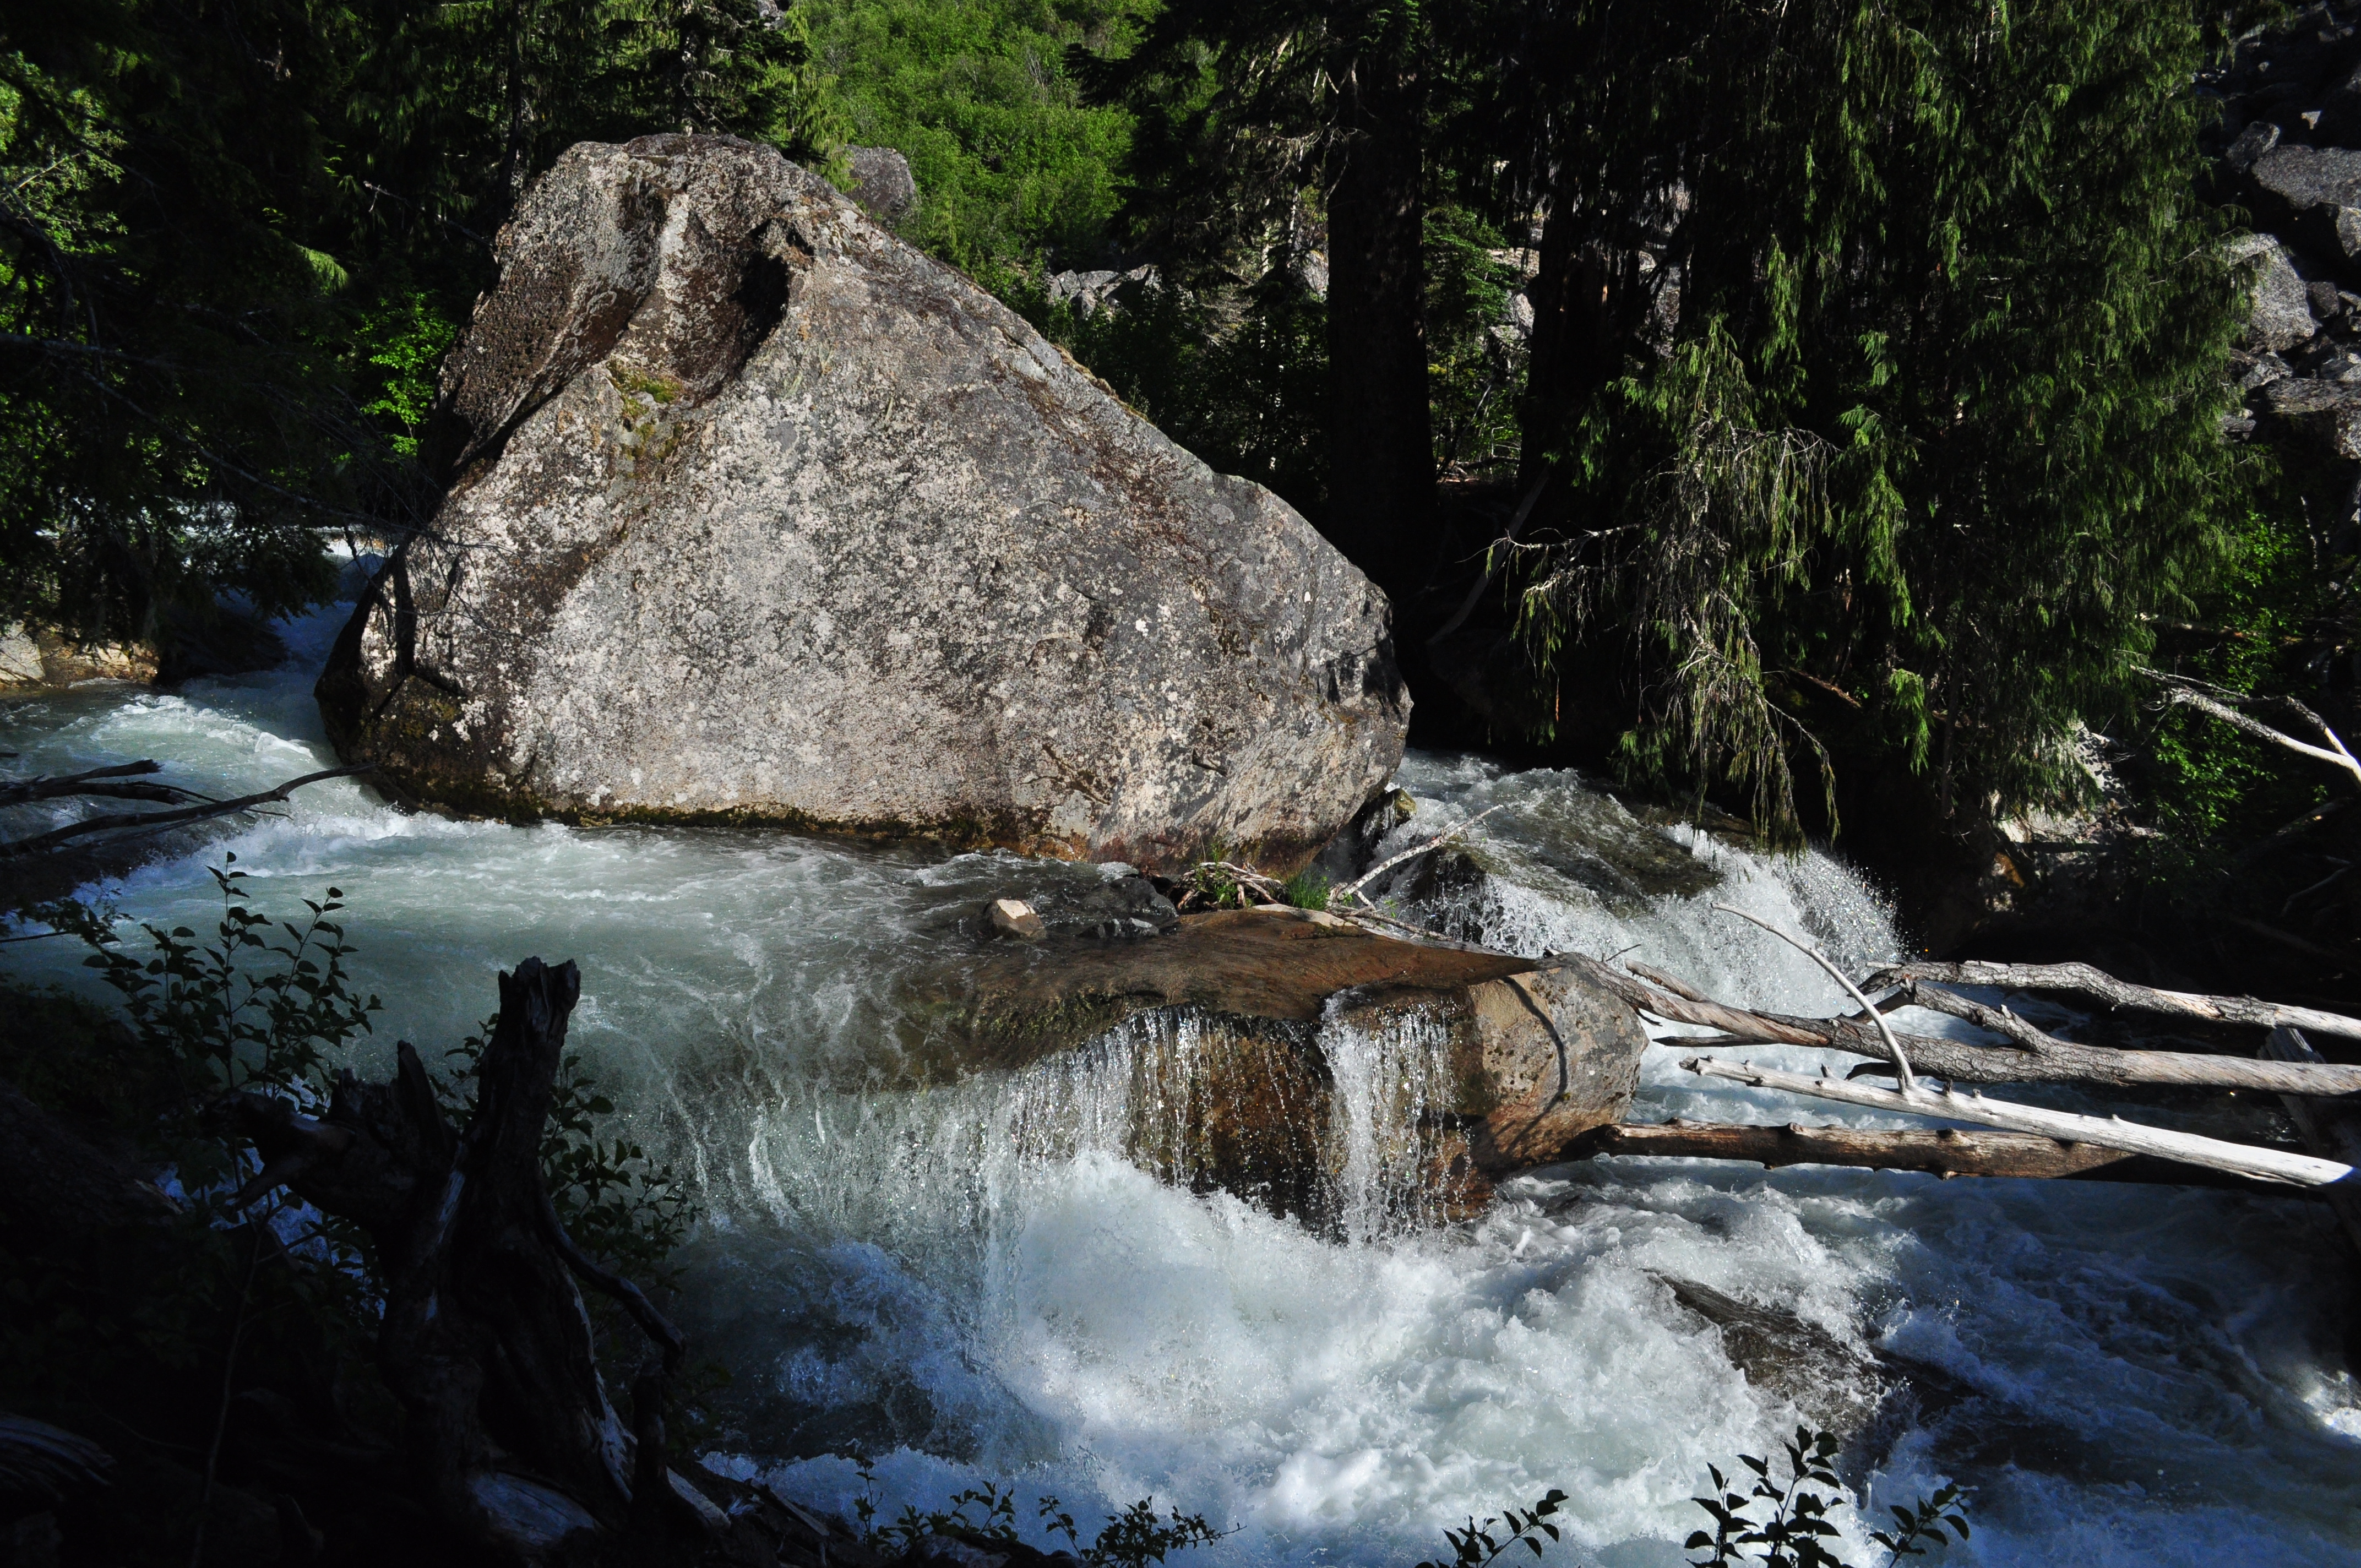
point(1015, 917)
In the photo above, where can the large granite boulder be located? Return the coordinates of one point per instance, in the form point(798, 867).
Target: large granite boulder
point(882, 183)
point(759, 514)
point(2313, 195)
point(2282, 319)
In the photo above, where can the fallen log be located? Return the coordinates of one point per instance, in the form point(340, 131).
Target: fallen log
point(2109, 1131)
point(2032, 1056)
point(1946, 1152)
point(2081, 979)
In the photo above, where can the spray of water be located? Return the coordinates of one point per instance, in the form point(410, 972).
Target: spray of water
point(1031, 1278)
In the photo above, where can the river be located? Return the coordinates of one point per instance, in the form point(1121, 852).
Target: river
point(2125, 1375)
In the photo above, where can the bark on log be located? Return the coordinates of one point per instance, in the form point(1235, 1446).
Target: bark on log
point(1945, 1151)
point(2083, 980)
point(511, 1439)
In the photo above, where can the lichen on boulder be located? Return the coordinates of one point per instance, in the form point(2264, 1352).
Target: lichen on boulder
point(757, 513)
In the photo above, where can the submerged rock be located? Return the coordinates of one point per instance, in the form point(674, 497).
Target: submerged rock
point(760, 514)
point(1261, 1044)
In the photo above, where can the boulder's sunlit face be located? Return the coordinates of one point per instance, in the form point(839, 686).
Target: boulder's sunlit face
point(764, 515)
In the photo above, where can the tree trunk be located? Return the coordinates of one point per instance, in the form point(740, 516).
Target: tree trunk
point(511, 1440)
point(1380, 448)
point(1587, 303)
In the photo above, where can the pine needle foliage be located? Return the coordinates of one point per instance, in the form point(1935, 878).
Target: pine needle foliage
point(1941, 419)
point(236, 240)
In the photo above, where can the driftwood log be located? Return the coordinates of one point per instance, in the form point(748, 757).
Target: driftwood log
point(2111, 1132)
point(2031, 1057)
point(511, 1440)
point(2081, 979)
point(1939, 1151)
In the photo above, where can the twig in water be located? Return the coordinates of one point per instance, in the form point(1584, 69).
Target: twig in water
point(1884, 1030)
point(135, 820)
point(1353, 889)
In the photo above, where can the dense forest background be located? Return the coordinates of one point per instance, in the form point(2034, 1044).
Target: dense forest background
point(1814, 408)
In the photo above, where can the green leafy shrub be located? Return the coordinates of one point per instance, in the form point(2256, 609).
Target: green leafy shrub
point(1476, 1544)
point(268, 1004)
point(1132, 1539)
point(1792, 1533)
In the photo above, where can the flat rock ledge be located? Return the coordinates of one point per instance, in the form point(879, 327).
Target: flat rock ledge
point(759, 514)
point(1236, 1018)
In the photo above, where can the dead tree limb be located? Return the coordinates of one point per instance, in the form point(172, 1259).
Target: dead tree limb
point(2031, 1058)
point(132, 821)
point(1353, 889)
point(2185, 692)
point(2108, 1132)
point(2081, 979)
point(510, 1437)
point(2293, 830)
point(1945, 1152)
point(2329, 1130)
point(110, 783)
point(1885, 1034)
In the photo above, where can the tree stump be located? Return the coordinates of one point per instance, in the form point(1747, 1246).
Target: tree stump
point(512, 1440)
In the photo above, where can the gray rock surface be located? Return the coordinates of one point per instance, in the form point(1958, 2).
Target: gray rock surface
point(759, 514)
point(2282, 319)
point(2328, 413)
point(2314, 194)
point(1107, 288)
point(882, 183)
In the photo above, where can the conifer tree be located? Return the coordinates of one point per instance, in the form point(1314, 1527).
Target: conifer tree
point(1938, 419)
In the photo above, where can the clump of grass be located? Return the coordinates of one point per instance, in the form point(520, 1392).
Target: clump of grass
point(1307, 889)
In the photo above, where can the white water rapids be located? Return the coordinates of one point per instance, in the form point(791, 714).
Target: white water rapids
point(971, 1283)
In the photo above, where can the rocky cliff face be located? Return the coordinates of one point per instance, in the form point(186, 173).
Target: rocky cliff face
point(757, 513)
point(2290, 143)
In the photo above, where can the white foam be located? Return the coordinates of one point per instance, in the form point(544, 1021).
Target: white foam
point(973, 1283)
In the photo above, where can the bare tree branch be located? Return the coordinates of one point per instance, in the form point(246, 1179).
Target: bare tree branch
point(1353, 889)
point(133, 820)
point(2184, 692)
point(2082, 980)
point(2107, 1131)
